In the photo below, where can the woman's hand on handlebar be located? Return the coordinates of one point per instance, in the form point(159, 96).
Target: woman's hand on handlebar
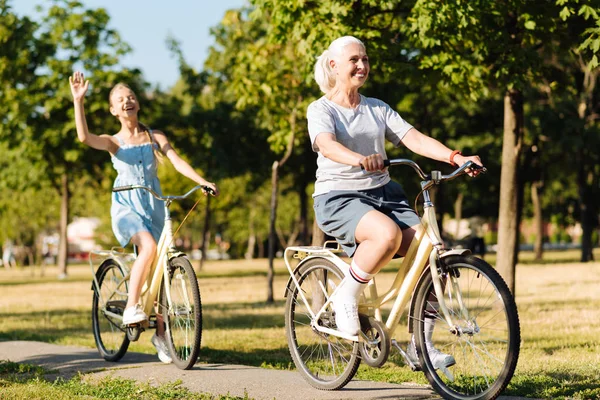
point(207, 187)
point(460, 160)
point(373, 162)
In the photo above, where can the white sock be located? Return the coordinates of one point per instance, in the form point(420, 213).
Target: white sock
point(358, 274)
point(355, 282)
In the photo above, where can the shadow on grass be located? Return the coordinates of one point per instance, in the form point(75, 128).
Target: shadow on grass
point(549, 385)
point(243, 315)
point(51, 326)
point(46, 326)
point(49, 279)
point(273, 358)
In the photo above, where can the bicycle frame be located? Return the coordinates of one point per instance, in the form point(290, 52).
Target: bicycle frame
point(164, 252)
point(425, 247)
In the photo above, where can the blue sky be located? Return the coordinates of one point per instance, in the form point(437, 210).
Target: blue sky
point(145, 25)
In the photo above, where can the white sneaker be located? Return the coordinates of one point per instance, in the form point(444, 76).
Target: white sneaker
point(161, 348)
point(134, 315)
point(346, 316)
point(438, 359)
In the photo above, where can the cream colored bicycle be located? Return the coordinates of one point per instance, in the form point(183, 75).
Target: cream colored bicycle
point(171, 284)
point(475, 315)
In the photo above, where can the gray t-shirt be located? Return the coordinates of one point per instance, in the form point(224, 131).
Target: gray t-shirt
point(362, 130)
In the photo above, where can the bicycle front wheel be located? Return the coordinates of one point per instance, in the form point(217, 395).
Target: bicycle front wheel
point(107, 304)
point(182, 313)
point(484, 337)
point(327, 362)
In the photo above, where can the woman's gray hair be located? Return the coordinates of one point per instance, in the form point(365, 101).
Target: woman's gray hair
point(324, 75)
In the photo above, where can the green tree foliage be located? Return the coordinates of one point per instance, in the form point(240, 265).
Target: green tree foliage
point(264, 77)
point(39, 123)
point(473, 50)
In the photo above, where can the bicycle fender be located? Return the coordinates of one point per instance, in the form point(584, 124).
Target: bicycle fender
point(100, 268)
point(411, 310)
point(175, 254)
point(455, 252)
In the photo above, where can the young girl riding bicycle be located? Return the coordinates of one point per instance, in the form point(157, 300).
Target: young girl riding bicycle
point(137, 217)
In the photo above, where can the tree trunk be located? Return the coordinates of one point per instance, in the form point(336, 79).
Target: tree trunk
point(589, 216)
point(291, 240)
point(303, 239)
point(251, 237)
point(538, 220)
point(261, 246)
point(508, 215)
point(272, 233)
point(205, 233)
point(273, 213)
point(63, 246)
point(318, 239)
point(318, 236)
point(521, 179)
point(586, 181)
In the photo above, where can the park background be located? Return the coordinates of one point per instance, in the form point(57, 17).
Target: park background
point(514, 82)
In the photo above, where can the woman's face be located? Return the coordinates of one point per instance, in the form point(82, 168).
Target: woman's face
point(352, 66)
point(123, 103)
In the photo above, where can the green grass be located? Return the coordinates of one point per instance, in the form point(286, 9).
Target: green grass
point(558, 301)
point(24, 381)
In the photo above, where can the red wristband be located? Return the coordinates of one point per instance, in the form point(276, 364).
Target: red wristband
point(452, 155)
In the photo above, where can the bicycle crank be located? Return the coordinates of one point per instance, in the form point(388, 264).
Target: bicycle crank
point(375, 344)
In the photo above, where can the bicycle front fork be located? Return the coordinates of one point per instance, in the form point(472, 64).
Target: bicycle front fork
point(439, 291)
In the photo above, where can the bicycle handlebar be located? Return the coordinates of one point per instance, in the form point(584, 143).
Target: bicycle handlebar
point(436, 176)
point(164, 198)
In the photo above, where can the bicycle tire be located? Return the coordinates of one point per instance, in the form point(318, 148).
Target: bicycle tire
point(484, 341)
point(111, 339)
point(316, 354)
point(183, 319)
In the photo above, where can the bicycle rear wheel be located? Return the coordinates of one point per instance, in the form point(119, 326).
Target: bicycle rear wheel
point(324, 361)
point(485, 337)
point(111, 339)
point(183, 314)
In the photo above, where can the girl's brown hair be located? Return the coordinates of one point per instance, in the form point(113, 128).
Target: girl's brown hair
point(157, 153)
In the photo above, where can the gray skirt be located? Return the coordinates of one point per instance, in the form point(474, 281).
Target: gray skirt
point(338, 212)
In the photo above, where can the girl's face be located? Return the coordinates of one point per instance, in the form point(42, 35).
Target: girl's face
point(123, 103)
point(352, 66)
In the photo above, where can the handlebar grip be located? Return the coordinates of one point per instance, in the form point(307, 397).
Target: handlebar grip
point(208, 190)
point(477, 167)
point(122, 188)
point(386, 163)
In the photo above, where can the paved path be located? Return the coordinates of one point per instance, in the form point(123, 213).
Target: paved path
point(217, 379)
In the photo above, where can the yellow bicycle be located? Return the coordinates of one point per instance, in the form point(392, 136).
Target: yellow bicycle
point(171, 284)
point(474, 313)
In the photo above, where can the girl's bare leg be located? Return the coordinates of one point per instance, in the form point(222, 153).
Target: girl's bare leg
point(139, 271)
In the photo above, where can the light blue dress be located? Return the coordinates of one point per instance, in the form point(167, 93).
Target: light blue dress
point(134, 211)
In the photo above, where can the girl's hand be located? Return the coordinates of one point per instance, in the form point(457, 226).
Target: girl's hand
point(373, 162)
point(78, 86)
point(211, 185)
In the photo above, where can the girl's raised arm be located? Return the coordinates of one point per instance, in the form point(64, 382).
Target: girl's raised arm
point(78, 89)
